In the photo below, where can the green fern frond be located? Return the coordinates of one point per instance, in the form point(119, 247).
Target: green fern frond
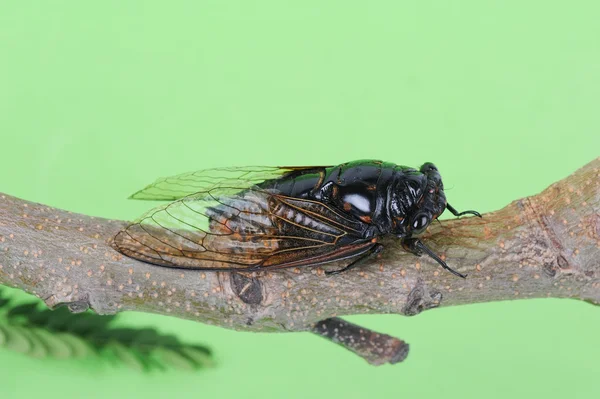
point(32, 329)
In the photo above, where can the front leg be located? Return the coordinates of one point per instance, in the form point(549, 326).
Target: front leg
point(416, 247)
point(458, 214)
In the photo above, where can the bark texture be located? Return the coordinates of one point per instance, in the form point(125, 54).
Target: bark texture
point(547, 245)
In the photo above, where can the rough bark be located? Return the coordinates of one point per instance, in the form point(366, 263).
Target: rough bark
point(546, 245)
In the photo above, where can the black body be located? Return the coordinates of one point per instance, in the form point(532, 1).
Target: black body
point(392, 199)
point(388, 198)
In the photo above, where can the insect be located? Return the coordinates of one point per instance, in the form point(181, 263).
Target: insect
point(258, 218)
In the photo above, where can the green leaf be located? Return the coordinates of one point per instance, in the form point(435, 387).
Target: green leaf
point(174, 359)
point(199, 355)
point(38, 348)
point(126, 355)
point(80, 348)
point(15, 340)
point(57, 347)
point(31, 328)
point(25, 309)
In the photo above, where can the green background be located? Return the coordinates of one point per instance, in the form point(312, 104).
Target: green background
point(98, 99)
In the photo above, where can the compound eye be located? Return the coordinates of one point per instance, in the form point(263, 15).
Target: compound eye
point(420, 222)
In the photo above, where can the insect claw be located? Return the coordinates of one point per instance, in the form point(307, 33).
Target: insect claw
point(416, 247)
point(333, 272)
point(456, 273)
point(475, 213)
point(458, 214)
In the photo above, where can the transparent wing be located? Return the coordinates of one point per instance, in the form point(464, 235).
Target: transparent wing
point(218, 181)
point(249, 230)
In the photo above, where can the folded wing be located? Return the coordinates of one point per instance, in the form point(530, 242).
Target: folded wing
point(239, 228)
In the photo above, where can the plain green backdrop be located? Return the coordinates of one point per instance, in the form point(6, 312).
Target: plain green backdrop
point(98, 99)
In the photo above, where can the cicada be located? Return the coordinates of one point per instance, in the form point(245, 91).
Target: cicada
point(265, 218)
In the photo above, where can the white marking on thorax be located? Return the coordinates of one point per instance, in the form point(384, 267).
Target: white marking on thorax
point(358, 201)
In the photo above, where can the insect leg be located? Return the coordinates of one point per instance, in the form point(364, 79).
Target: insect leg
point(416, 247)
point(457, 213)
point(374, 250)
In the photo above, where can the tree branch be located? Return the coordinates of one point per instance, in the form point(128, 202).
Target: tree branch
point(375, 348)
point(547, 245)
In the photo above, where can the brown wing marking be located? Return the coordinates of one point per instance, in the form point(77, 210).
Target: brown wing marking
point(313, 258)
point(251, 230)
